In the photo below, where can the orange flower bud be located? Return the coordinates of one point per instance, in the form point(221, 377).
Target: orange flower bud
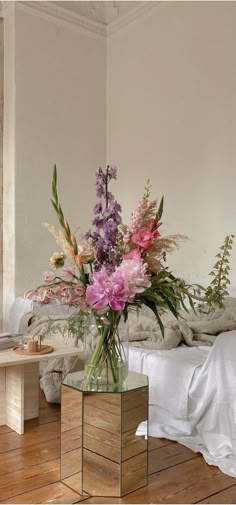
point(72, 252)
point(64, 232)
point(78, 260)
point(73, 239)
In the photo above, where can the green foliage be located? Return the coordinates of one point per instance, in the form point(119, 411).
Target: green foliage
point(57, 207)
point(167, 292)
point(160, 210)
point(218, 288)
point(74, 326)
point(147, 189)
point(64, 223)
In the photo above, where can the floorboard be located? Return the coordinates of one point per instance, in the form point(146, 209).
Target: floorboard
point(30, 470)
point(226, 496)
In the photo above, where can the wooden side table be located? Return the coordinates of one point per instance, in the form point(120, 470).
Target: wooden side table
point(100, 452)
point(19, 385)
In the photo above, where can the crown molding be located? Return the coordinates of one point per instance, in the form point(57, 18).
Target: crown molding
point(5, 5)
point(60, 14)
point(138, 12)
point(77, 21)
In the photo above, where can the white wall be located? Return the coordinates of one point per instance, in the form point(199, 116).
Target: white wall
point(60, 107)
point(170, 110)
point(171, 116)
point(1, 154)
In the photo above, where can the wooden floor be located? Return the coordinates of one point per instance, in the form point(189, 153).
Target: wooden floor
point(30, 470)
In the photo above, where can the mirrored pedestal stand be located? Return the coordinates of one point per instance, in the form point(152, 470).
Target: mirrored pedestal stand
point(101, 455)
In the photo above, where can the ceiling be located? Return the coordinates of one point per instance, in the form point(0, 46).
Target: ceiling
point(102, 11)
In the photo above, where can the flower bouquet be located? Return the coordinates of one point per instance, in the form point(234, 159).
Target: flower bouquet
point(111, 269)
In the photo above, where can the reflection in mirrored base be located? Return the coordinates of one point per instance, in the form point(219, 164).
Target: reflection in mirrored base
point(101, 451)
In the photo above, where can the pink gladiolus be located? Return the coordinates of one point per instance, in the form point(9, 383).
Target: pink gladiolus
point(135, 254)
point(144, 238)
point(49, 277)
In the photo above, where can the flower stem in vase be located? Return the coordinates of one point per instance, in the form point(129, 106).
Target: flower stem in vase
point(108, 361)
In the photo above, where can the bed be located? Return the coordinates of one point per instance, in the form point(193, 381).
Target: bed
point(192, 387)
point(192, 397)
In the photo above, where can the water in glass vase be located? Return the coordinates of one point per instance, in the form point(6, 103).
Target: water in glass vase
point(108, 360)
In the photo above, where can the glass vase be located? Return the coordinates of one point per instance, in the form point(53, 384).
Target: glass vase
point(106, 363)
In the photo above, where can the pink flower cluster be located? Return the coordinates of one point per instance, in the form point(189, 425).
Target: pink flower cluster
point(136, 219)
point(144, 238)
point(63, 293)
point(65, 274)
point(120, 287)
point(64, 287)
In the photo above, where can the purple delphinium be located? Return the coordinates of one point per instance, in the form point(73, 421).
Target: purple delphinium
point(106, 221)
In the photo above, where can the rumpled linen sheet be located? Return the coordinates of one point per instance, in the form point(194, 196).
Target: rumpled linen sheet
point(196, 405)
point(192, 329)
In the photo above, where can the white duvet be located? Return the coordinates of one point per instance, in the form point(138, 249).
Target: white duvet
point(193, 398)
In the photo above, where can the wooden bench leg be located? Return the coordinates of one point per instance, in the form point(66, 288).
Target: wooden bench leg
point(31, 390)
point(15, 398)
point(19, 395)
point(2, 396)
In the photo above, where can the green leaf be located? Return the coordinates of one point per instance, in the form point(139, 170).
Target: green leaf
point(153, 308)
point(160, 210)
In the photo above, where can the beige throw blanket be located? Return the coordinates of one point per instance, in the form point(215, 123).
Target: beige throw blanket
point(192, 329)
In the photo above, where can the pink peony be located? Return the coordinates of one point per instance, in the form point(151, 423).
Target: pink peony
point(144, 238)
point(135, 254)
point(135, 274)
point(118, 291)
point(107, 290)
point(120, 287)
point(97, 292)
point(49, 277)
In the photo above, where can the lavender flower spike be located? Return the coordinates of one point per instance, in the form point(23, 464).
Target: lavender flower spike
point(106, 221)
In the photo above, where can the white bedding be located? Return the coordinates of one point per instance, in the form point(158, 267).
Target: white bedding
point(170, 374)
point(194, 401)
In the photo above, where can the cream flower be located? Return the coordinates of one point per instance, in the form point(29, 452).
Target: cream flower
point(57, 260)
point(86, 252)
